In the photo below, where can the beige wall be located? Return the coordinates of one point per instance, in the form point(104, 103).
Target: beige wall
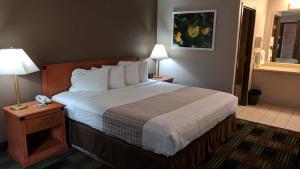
point(201, 68)
point(261, 9)
point(278, 88)
point(207, 69)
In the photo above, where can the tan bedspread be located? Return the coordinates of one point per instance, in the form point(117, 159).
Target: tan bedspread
point(126, 121)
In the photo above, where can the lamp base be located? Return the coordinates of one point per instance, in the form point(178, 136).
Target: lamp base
point(20, 107)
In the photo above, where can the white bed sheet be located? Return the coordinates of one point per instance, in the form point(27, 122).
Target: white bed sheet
point(160, 134)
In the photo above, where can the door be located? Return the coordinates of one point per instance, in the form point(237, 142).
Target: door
point(244, 54)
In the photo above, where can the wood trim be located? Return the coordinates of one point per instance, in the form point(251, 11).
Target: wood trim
point(56, 77)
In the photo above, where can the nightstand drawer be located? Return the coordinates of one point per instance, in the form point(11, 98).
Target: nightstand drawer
point(43, 122)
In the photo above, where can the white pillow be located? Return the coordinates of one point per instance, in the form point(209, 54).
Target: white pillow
point(89, 80)
point(116, 76)
point(131, 72)
point(143, 71)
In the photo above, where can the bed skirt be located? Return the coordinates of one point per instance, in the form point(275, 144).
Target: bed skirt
point(122, 155)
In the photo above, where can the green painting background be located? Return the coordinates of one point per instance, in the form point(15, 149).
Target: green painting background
point(203, 25)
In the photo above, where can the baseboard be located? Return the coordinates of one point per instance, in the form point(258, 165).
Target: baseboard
point(3, 146)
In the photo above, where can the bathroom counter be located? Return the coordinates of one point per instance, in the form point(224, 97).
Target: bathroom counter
point(279, 86)
point(294, 70)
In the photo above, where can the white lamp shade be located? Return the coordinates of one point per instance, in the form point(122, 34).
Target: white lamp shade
point(16, 62)
point(159, 52)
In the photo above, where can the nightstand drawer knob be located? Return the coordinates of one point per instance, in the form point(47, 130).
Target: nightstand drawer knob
point(45, 121)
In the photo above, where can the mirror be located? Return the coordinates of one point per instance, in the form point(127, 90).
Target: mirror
point(285, 40)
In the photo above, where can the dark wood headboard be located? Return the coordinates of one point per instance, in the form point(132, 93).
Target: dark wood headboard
point(57, 77)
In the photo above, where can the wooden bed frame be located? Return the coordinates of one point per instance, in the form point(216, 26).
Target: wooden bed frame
point(120, 154)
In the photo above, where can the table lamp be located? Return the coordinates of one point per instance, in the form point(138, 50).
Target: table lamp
point(158, 53)
point(16, 62)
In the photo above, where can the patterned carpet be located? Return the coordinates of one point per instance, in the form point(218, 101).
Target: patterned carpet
point(255, 146)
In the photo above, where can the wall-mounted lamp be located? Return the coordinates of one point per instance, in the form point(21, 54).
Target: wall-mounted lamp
point(294, 4)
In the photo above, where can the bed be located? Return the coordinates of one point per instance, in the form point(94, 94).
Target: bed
point(182, 134)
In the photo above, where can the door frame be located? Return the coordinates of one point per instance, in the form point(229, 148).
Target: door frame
point(247, 83)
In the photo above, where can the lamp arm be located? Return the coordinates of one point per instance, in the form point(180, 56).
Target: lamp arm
point(18, 106)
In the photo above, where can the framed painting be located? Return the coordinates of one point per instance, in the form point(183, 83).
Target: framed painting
point(194, 30)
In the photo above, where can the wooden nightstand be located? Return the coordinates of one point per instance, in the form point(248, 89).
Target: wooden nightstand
point(35, 134)
point(164, 79)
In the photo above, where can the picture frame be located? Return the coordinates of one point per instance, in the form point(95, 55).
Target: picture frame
point(194, 30)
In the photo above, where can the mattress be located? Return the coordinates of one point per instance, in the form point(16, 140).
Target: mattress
point(166, 134)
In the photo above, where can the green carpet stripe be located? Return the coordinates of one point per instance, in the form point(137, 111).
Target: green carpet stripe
point(67, 167)
point(75, 157)
point(215, 162)
point(47, 163)
point(92, 165)
point(14, 167)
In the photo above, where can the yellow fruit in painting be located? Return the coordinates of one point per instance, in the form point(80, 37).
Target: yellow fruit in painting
point(205, 31)
point(193, 31)
point(178, 37)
